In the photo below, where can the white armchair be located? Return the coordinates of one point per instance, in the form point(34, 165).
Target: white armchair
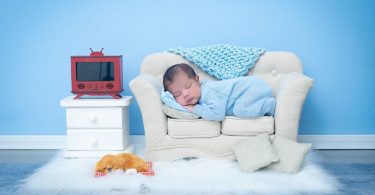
point(169, 139)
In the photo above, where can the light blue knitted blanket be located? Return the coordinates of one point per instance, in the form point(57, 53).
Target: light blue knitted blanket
point(222, 61)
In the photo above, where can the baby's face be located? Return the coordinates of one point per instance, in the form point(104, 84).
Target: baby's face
point(185, 90)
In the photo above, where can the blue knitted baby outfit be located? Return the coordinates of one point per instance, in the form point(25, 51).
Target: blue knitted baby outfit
point(222, 61)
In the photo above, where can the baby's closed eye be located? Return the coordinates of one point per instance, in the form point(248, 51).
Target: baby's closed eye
point(188, 85)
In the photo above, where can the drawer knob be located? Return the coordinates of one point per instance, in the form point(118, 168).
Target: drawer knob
point(93, 118)
point(93, 142)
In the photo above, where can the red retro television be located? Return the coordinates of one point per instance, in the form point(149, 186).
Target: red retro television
point(96, 74)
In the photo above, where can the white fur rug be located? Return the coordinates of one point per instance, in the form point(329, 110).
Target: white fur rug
point(195, 176)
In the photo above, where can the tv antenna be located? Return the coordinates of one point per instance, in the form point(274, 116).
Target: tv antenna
point(97, 53)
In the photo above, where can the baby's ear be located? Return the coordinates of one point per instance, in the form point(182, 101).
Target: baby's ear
point(197, 78)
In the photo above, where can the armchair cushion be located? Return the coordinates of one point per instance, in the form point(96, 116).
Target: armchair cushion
point(189, 128)
point(232, 125)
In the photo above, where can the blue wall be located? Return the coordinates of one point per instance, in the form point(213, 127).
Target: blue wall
point(334, 39)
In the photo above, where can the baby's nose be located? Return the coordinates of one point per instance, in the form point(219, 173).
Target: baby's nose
point(185, 94)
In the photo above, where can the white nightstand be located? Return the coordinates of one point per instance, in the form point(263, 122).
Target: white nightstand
point(96, 127)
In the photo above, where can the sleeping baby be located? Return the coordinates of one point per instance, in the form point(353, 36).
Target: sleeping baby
point(244, 97)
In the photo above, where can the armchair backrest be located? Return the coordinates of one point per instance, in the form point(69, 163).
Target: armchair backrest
point(271, 66)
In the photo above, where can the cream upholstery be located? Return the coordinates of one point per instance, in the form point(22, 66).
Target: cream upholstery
point(182, 128)
point(169, 139)
point(236, 126)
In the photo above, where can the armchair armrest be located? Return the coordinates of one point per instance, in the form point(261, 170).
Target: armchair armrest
point(146, 89)
point(290, 93)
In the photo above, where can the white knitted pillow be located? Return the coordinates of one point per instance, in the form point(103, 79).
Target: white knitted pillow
point(254, 153)
point(291, 154)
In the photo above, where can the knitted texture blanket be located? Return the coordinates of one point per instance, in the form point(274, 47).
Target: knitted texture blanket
point(222, 61)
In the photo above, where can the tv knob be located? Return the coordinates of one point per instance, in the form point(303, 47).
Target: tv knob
point(109, 85)
point(81, 86)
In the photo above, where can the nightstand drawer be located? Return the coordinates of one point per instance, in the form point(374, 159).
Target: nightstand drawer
point(94, 117)
point(96, 139)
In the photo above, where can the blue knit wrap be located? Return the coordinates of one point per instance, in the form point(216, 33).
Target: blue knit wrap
point(222, 61)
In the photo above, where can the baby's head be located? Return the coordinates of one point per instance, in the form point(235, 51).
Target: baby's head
point(183, 83)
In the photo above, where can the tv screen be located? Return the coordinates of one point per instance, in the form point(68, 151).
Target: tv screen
point(95, 71)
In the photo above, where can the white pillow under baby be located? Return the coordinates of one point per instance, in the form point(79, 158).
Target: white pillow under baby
point(173, 113)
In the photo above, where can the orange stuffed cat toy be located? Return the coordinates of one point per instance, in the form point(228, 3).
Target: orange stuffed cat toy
point(122, 161)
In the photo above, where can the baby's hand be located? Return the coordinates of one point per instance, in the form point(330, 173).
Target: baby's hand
point(190, 108)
